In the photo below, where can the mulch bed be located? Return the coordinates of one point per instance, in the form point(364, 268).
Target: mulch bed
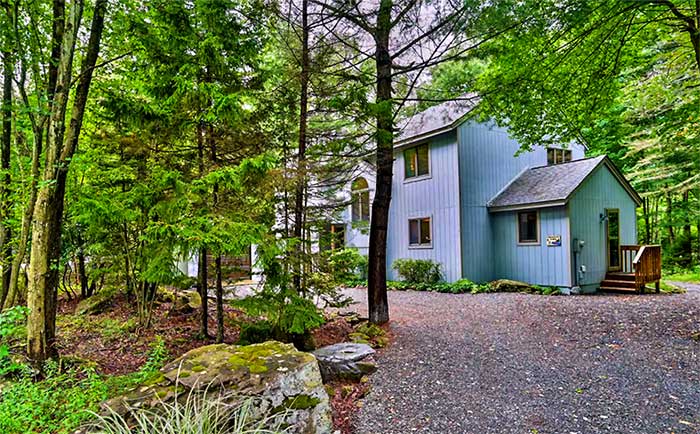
point(82, 337)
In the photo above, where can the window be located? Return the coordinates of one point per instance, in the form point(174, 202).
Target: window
point(337, 236)
point(360, 200)
point(417, 161)
point(528, 227)
point(419, 232)
point(558, 156)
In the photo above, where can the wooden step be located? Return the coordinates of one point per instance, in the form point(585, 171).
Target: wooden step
point(618, 283)
point(617, 289)
point(620, 276)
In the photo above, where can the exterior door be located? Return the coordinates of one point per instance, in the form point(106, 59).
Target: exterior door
point(613, 238)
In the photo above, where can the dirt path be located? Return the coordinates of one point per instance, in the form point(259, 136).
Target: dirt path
point(515, 363)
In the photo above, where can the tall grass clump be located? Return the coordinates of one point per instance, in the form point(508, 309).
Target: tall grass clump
point(200, 413)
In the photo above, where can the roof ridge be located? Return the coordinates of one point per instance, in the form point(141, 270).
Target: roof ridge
point(544, 166)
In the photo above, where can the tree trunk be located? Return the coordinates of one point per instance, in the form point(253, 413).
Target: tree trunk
point(687, 230)
point(647, 221)
point(376, 293)
point(669, 218)
point(219, 302)
point(82, 274)
point(5, 179)
point(301, 156)
point(203, 288)
point(46, 227)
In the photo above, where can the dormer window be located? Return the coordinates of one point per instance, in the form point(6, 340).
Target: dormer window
point(360, 200)
point(417, 161)
point(558, 156)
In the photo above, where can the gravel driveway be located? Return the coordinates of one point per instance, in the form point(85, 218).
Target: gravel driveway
point(516, 363)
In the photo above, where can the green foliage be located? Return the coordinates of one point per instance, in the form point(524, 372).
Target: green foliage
point(255, 332)
point(417, 271)
point(545, 290)
point(57, 404)
point(462, 286)
point(683, 275)
point(156, 357)
point(371, 334)
point(289, 314)
point(345, 265)
point(12, 327)
point(12, 322)
point(64, 399)
point(196, 414)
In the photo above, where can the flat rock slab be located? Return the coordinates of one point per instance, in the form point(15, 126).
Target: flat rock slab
point(345, 361)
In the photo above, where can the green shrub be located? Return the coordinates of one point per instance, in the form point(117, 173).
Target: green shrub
point(156, 357)
point(255, 332)
point(346, 264)
point(418, 270)
point(545, 290)
point(461, 286)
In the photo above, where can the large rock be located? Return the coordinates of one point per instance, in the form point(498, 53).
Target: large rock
point(187, 301)
point(506, 285)
point(96, 304)
point(346, 361)
point(284, 385)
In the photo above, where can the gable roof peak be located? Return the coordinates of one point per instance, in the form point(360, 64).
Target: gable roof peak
point(553, 185)
point(435, 120)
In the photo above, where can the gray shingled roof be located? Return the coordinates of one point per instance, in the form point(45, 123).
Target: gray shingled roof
point(545, 185)
point(436, 119)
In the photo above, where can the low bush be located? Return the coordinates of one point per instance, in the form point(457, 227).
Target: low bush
point(418, 270)
point(346, 264)
point(545, 290)
point(462, 286)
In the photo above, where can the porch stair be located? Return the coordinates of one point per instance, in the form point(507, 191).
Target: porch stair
point(639, 266)
point(619, 282)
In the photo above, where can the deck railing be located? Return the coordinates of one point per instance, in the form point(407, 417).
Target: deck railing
point(627, 255)
point(644, 262)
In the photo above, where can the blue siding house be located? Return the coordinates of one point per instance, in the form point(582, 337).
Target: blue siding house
point(465, 195)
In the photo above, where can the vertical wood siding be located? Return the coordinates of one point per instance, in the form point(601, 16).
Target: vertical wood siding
point(600, 191)
point(436, 197)
point(487, 164)
point(537, 264)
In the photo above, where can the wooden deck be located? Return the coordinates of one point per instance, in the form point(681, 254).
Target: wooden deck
point(640, 265)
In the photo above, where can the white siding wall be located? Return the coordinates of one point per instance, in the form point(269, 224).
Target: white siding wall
point(436, 197)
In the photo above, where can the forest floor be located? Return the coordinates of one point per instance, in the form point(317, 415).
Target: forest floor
point(112, 343)
point(517, 363)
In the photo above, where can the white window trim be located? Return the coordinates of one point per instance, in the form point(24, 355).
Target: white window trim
point(353, 195)
point(432, 234)
point(561, 150)
point(517, 230)
point(428, 175)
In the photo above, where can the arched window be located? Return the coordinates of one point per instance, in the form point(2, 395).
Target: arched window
point(360, 200)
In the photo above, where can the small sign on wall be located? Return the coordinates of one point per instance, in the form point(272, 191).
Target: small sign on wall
point(554, 241)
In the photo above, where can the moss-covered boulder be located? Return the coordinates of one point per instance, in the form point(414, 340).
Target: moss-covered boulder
point(283, 384)
point(96, 304)
point(187, 301)
point(506, 285)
